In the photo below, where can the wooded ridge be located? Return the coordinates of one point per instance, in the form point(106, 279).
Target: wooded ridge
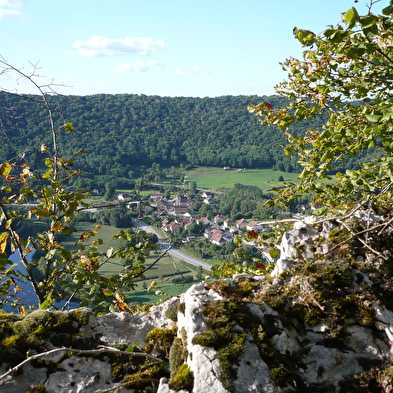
point(119, 132)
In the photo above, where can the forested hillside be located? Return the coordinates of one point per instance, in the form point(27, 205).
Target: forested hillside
point(119, 132)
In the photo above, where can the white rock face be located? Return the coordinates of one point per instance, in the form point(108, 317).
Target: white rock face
point(252, 372)
point(22, 383)
point(124, 328)
point(203, 362)
point(329, 365)
point(279, 343)
point(80, 374)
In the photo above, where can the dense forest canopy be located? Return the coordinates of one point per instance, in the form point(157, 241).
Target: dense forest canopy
point(121, 131)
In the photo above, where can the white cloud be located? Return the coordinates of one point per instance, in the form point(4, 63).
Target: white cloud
point(191, 70)
point(13, 3)
point(9, 14)
point(139, 66)
point(101, 46)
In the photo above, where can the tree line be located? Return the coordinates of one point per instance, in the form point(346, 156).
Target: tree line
point(124, 131)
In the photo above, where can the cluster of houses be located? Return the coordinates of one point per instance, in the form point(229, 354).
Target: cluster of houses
point(220, 230)
point(177, 215)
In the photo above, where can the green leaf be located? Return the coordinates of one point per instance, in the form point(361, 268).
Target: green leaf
point(351, 17)
point(69, 127)
point(48, 174)
point(131, 348)
point(368, 21)
point(107, 292)
point(372, 144)
point(306, 37)
point(5, 169)
point(388, 10)
point(373, 118)
point(3, 241)
point(274, 253)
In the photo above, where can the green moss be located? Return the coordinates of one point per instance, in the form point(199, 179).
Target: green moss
point(145, 380)
point(206, 339)
point(228, 356)
point(38, 389)
point(177, 355)
point(39, 331)
point(279, 376)
point(239, 291)
point(160, 339)
point(246, 287)
point(11, 341)
point(223, 317)
point(182, 307)
point(183, 379)
point(183, 335)
point(81, 315)
point(171, 312)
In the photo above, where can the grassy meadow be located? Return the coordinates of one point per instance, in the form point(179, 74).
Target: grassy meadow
point(216, 178)
point(163, 272)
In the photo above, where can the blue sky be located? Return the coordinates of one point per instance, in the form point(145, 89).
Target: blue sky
point(192, 48)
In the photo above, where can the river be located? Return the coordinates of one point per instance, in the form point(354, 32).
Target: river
point(27, 296)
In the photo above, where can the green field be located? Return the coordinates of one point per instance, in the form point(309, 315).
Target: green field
point(215, 178)
point(163, 272)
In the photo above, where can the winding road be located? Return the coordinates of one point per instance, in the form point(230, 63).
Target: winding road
point(164, 245)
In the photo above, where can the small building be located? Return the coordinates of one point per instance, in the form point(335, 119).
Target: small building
point(254, 226)
point(123, 197)
point(242, 223)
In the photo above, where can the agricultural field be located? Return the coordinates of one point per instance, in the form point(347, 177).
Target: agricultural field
point(163, 272)
point(216, 178)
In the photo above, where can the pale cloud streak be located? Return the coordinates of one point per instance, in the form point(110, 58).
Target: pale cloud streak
point(101, 46)
point(191, 70)
point(13, 3)
point(139, 66)
point(10, 12)
point(264, 66)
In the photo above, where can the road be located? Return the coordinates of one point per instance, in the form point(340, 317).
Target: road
point(164, 245)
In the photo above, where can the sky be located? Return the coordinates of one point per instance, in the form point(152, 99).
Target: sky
point(191, 48)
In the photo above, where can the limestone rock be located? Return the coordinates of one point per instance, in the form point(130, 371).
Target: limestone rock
point(80, 374)
point(313, 324)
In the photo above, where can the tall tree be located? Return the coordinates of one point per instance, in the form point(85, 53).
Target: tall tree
point(345, 74)
point(63, 274)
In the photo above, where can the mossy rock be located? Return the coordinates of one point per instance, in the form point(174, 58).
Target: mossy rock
point(177, 355)
point(160, 339)
point(39, 331)
point(183, 379)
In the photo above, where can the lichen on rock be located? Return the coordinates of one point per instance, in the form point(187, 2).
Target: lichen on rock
point(320, 322)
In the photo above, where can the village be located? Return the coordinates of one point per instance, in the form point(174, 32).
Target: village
point(177, 215)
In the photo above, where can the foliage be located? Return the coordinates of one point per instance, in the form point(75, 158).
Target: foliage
point(161, 339)
point(64, 275)
point(123, 132)
point(244, 202)
point(228, 269)
point(183, 379)
point(345, 75)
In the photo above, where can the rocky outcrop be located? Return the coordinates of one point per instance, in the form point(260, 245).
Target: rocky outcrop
point(321, 321)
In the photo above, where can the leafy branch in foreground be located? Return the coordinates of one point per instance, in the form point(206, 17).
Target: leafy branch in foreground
point(346, 75)
point(61, 275)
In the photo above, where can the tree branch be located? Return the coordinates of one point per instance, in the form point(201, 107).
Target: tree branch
point(73, 351)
